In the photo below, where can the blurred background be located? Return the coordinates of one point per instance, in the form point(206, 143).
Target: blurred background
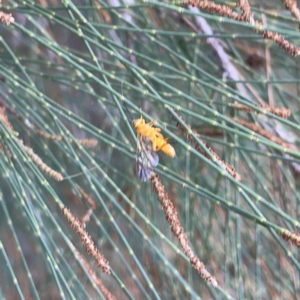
point(73, 76)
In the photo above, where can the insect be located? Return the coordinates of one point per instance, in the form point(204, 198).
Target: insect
point(150, 141)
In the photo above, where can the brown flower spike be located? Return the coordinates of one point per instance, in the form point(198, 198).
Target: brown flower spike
point(247, 17)
point(229, 168)
point(106, 293)
point(178, 231)
point(291, 237)
point(278, 111)
point(86, 240)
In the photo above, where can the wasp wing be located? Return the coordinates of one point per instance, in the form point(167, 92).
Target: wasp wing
point(146, 158)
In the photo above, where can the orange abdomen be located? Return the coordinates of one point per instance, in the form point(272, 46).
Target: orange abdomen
point(168, 150)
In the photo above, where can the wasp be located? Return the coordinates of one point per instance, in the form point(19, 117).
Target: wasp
point(159, 143)
point(149, 142)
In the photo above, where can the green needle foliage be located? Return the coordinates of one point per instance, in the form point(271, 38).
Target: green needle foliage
point(222, 82)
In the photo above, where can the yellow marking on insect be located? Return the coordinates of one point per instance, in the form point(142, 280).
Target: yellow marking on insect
point(159, 143)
